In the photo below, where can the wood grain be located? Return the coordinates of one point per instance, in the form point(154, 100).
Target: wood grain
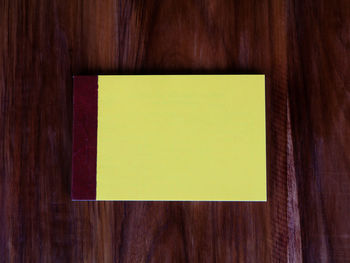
point(318, 74)
point(301, 46)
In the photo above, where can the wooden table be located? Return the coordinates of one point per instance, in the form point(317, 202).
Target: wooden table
point(303, 47)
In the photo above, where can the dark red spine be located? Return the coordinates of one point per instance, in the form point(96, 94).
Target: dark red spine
point(84, 137)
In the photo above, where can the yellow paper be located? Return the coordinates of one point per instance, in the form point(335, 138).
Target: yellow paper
point(181, 137)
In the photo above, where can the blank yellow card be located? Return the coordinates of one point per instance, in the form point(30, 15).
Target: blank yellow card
point(181, 137)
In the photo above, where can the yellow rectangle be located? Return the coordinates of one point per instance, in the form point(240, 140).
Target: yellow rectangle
point(181, 137)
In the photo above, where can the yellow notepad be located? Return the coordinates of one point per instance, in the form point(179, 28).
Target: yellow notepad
point(181, 137)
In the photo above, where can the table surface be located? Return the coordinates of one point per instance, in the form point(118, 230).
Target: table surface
point(303, 47)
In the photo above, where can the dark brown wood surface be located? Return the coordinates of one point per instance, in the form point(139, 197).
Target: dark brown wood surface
point(303, 47)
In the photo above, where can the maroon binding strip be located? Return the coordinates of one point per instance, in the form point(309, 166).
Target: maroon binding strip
point(84, 138)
